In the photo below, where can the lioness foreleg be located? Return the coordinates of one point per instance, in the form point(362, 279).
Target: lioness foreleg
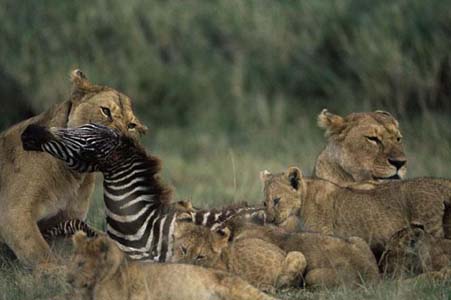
point(23, 237)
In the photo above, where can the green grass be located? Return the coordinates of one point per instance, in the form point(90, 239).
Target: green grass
point(213, 168)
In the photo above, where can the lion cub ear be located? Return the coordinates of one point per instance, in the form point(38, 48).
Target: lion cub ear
point(79, 239)
point(184, 217)
point(184, 205)
point(102, 244)
point(333, 124)
point(295, 177)
point(221, 238)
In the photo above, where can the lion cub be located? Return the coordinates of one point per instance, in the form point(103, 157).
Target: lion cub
point(411, 251)
point(100, 270)
point(262, 264)
point(331, 260)
point(371, 212)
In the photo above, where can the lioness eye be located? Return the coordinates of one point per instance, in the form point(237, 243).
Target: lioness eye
point(200, 257)
point(106, 111)
point(374, 139)
point(81, 264)
point(276, 201)
point(398, 139)
point(131, 125)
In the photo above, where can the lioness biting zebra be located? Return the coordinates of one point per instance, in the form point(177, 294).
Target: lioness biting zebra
point(38, 191)
point(139, 213)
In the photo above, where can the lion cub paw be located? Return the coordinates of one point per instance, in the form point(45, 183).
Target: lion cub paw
point(292, 269)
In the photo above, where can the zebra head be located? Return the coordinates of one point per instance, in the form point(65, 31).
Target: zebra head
point(84, 149)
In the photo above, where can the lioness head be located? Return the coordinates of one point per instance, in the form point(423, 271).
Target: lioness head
point(94, 260)
point(283, 194)
point(406, 252)
point(361, 146)
point(92, 103)
point(198, 245)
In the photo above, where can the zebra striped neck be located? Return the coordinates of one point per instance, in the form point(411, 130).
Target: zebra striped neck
point(138, 214)
point(215, 218)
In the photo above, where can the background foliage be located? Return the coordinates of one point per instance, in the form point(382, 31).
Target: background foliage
point(231, 87)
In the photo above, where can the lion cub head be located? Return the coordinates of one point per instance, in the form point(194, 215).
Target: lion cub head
point(94, 260)
point(198, 245)
point(91, 103)
point(283, 195)
point(407, 252)
point(361, 147)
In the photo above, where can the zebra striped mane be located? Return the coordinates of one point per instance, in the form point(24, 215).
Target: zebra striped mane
point(153, 165)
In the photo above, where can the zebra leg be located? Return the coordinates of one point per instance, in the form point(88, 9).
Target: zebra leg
point(68, 228)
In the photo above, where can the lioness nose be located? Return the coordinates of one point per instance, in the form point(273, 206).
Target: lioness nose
point(398, 163)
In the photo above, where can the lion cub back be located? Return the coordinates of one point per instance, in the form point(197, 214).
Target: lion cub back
point(100, 271)
point(331, 260)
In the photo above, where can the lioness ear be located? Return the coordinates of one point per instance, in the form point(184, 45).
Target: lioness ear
point(295, 177)
point(80, 80)
point(82, 86)
point(264, 175)
point(221, 238)
point(332, 123)
point(387, 114)
point(79, 239)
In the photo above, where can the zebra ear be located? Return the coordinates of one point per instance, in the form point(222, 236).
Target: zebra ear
point(79, 239)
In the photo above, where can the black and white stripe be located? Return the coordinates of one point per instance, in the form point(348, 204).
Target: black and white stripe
point(68, 228)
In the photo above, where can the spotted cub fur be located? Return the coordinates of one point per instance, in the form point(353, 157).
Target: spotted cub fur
point(263, 264)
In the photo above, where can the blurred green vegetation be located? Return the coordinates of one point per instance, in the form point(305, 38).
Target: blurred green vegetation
point(234, 63)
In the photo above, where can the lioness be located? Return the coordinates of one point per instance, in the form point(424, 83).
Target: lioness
point(373, 214)
point(360, 147)
point(261, 263)
point(331, 260)
point(100, 271)
point(35, 188)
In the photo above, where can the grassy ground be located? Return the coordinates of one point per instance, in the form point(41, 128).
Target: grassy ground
point(213, 168)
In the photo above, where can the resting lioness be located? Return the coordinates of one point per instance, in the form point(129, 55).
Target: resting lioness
point(360, 147)
point(100, 271)
point(261, 263)
point(373, 214)
point(36, 188)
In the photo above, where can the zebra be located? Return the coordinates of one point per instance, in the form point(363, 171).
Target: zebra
point(139, 213)
point(213, 218)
